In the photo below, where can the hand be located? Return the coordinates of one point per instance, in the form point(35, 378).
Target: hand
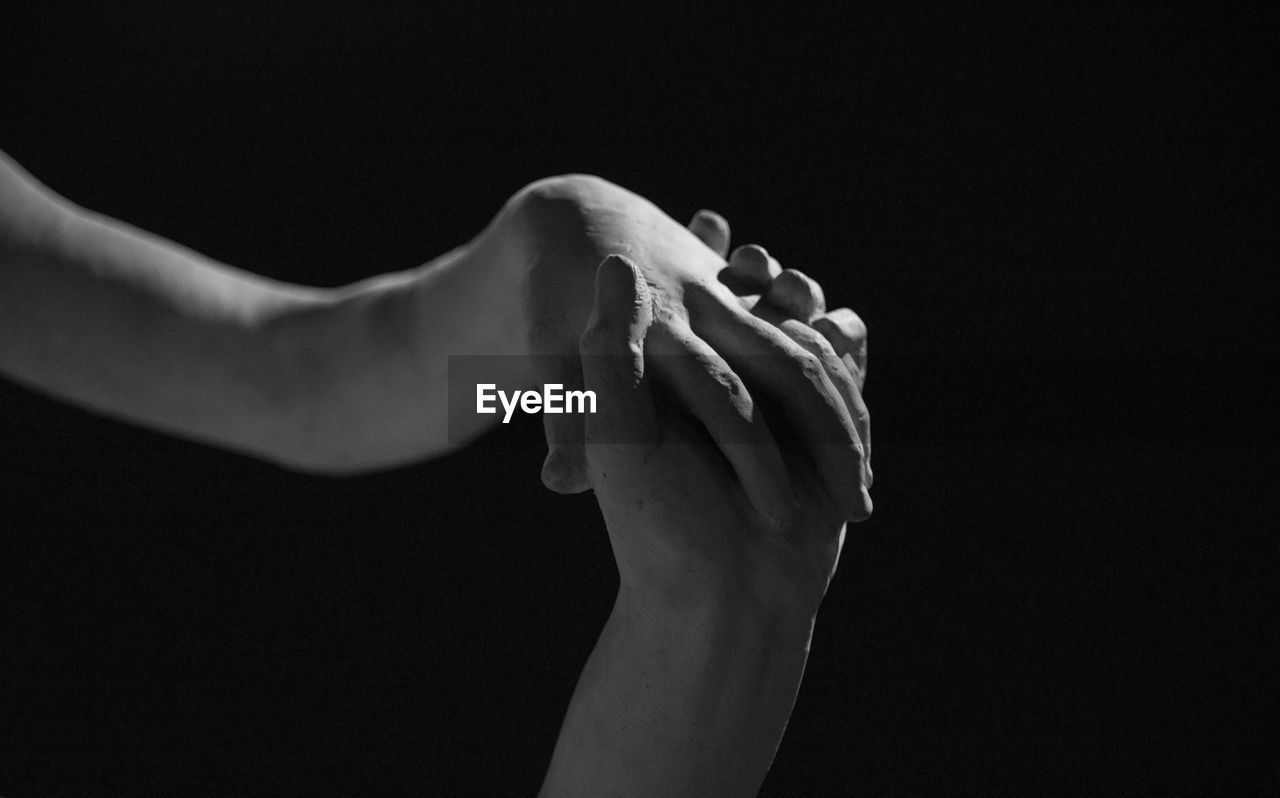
point(574, 221)
point(791, 299)
point(691, 518)
point(724, 542)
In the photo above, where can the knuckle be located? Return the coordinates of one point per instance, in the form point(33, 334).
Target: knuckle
point(857, 453)
point(825, 351)
point(701, 291)
point(809, 365)
point(730, 384)
point(808, 338)
point(819, 347)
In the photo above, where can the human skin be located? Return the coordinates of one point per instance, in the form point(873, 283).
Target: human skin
point(337, 381)
point(690, 686)
point(120, 321)
point(577, 220)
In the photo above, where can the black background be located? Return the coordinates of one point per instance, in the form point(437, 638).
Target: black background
point(1051, 220)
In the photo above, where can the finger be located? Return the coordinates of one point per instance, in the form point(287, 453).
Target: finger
point(750, 270)
point(777, 368)
point(822, 346)
point(712, 229)
point(844, 380)
point(612, 349)
point(848, 336)
point(796, 294)
point(551, 338)
point(565, 468)
point(705, 385)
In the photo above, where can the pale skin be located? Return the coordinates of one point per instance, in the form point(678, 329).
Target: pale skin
point(346, 380)
point(690, 686)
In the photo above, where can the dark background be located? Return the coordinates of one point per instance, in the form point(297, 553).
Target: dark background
point(1052, 221)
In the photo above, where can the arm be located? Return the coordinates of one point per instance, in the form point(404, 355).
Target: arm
point(725, 540)
point(575, 220)
point(673, 704)
point(117, 320)
point(120, 321)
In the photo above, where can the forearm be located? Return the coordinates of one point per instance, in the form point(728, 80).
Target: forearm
point(112, 318)
point(369, 368)
point(122, 322)
point(691, 703)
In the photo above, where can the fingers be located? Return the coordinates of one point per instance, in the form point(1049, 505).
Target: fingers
point(612, 349)
point(712, 229)
point(750, 270)
point(565, 469)
point(813, 342)
point(778, 368)
point(848, 337)
point(703, 382)
point(796, 294)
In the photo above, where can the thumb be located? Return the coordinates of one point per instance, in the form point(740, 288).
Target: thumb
point(612, 350)
point(565, 469)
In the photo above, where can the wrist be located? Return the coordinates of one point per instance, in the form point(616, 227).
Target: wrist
point(676, 703)
point(566, 225)
point(468, 303)
point(728, 614)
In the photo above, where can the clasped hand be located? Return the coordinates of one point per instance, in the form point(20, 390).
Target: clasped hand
point(731, 441)
point(748, 305)
point(703, 494)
